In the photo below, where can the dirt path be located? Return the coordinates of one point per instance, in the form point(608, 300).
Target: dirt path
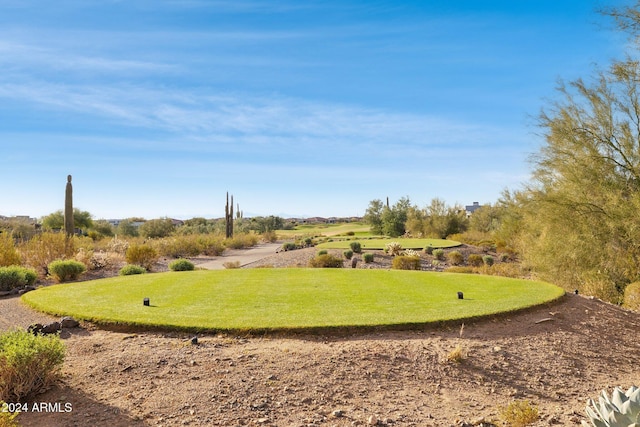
point(554, 356)
point(14, 313)
point(243, 256)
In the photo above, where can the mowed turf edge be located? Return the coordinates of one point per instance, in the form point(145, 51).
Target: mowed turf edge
point(291, 298)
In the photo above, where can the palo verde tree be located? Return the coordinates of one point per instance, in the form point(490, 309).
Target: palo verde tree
point(582, 227)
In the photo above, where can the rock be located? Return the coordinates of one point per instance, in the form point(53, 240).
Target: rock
point(35, 328)
point(51, 328)
point(337, 413)
point(69, 322)
point(372, 420)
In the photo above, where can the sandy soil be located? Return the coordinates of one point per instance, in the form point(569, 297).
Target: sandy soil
point(556, 356)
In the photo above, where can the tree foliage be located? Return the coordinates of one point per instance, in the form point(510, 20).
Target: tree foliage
point(581, 221)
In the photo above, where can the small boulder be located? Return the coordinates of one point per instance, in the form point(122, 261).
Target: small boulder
point(51, 328)
point(69, 322)
point(35, 328)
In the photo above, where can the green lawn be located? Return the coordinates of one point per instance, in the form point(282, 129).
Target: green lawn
point(357, 228)
point(381, 243)
point(260, 299)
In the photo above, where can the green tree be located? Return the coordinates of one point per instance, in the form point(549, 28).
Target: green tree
point(581, 222)
point(55, 220)
point(395, 217)
point(127, 228)
point(155, 228)
point(373, 216)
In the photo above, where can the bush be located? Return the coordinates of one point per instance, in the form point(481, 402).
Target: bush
point(182, 265)
point(28, 363)
point(269, 236)
point(428, 250)
point(211, 245)
point(8, 253)
point(368, 258)
point(326, 261)
point(242, 241)
point(403, 262)
point(322, 252)
point(475, 260)
point(488, 260)
point(180, 246)
point(15, 276)
point(356, 247)
point(231, 264)
point(131, 269)
point(632, 296)
point(438, 254)
point(393, 248)
point(459, 269)
point(289, 246)
point(519, 413)
point(348, 254)
point(44, 248)
point(63, 270)
point(8, 419)
point(455, 258)
point(142, 255)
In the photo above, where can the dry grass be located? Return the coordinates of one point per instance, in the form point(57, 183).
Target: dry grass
point(519, 413)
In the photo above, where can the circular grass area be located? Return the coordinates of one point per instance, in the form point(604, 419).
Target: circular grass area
point(293, 298)
point(379, 244)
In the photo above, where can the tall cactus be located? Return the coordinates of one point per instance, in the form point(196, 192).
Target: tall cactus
point(228, 217)
point(68, 209)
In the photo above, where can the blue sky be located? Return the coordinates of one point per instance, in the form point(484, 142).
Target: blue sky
point(159, 107)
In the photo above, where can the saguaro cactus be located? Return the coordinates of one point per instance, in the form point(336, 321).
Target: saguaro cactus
point(228, 217)
point(68, 208)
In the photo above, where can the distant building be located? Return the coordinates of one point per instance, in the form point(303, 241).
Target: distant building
point(472, 208)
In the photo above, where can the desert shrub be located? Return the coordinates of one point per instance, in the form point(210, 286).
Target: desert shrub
point(632, 296)
point(66, 269)
point(182, 265)
point(428, 250)
point(322, 252)
point(28, 363)
point(142, 255)
point(131, 269)
point(457, 355)
point(455, 258)
point(488, 260)
point(8, 252)
point(231, 264)
point(326, 261)
point(356, 247)
point(8, 419)
point(459, 269)
point(241, 241)
point(475, 260)
point(15, 276)
point(269, 236)
point(519, 413)
point(156, 228)
point(350, 233)
point(504, 269)
point(308, 241)
point(505, 257)
point(211, 245)
point(393, 248)
point(289, 246)
point(348, 254)
point(402, 262)
point(44, 248)
point(118, 246)
point(411, 252)
point(179, 246)
point(367, 258)
point(438, 254)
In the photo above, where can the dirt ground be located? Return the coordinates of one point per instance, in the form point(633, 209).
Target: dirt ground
point(555, 356)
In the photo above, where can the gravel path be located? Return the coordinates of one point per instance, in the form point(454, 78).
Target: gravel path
point(14, 313)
